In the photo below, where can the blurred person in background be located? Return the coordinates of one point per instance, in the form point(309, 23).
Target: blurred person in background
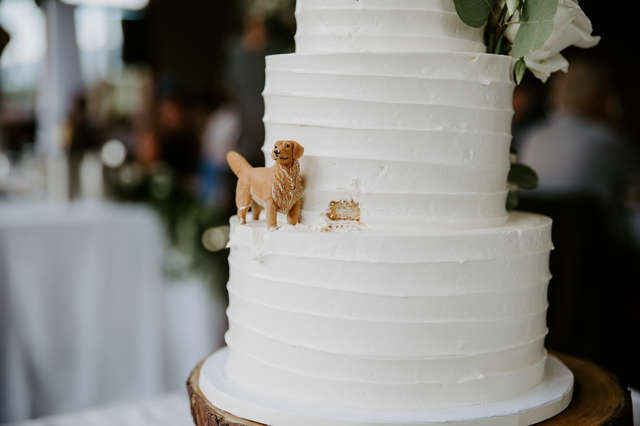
point(175, 135)
point(82, 136)
point(528, 109)
point(220, 135)
point(4, 40)
point(577, 150)
point(586, 168)
point(246, 81)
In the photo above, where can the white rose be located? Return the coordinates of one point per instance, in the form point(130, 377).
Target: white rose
point(571, 27)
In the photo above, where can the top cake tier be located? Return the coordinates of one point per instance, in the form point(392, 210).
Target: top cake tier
point(404, 119)
point(396, 139)
point(383, 26)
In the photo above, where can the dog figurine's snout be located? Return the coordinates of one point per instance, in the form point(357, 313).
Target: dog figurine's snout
point(276, 152)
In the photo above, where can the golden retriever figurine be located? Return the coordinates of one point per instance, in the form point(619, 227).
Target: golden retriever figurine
point(277, 188)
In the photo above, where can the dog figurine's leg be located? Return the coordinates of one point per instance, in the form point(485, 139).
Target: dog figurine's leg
point(256, 209)
point(243, 199)
point(294, 214)
point(272, 215)
point(242, 215)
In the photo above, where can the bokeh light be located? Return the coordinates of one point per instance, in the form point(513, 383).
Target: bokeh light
point(113, 153)
point(216, 239)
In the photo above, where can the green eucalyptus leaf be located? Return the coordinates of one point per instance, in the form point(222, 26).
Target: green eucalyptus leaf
point(536, 25)
point(513, 199)
point(519, 70)
point(499, 44)
point(491, 41)
point(474, 13)
point(523, 176)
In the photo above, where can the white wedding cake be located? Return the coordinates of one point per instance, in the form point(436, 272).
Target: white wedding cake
point(429, 305)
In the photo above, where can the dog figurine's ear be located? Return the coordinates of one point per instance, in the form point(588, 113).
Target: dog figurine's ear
point(298, 150)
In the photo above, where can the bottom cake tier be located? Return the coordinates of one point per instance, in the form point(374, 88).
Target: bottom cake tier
point(216, 400)
point(388, 320)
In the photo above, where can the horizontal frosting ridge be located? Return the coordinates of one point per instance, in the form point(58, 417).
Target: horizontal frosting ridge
point(471, 67)
point(397, 279)
point(386, 321)
point(331, 287)
point(535, 344)
point(521, 235)
point(391, 159)
point(393, 27)
point(436, 5)
point(387, 115)
point(536, 340)
point(343, 126)
point(309, 374)
point(415, 103)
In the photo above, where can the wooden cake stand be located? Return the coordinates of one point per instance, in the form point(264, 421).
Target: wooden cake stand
point(598, 399)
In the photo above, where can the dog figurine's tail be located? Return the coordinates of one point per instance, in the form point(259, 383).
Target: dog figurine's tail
point(237, 162)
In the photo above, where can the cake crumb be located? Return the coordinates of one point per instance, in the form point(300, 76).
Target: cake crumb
point(343, 226)
point(344, 210)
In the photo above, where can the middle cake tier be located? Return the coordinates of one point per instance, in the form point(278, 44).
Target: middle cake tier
point(389, 319)
point(413, 138)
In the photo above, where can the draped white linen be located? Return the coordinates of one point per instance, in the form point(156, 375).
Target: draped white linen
point(82, 307)
point(166, 410)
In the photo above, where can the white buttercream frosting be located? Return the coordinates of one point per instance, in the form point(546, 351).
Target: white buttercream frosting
point(437, 297)
point(421, 138)
point(383, 26)
point(395, 319)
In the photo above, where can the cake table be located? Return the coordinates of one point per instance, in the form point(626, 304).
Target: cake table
point(598, 399)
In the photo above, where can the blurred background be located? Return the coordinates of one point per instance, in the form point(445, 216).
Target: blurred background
point(115, 116)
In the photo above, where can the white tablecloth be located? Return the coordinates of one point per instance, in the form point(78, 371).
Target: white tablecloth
point(196, 322)
point(82, 307)
point(168, 410)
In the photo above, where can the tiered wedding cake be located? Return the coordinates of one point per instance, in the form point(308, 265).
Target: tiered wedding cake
point(432, 307)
